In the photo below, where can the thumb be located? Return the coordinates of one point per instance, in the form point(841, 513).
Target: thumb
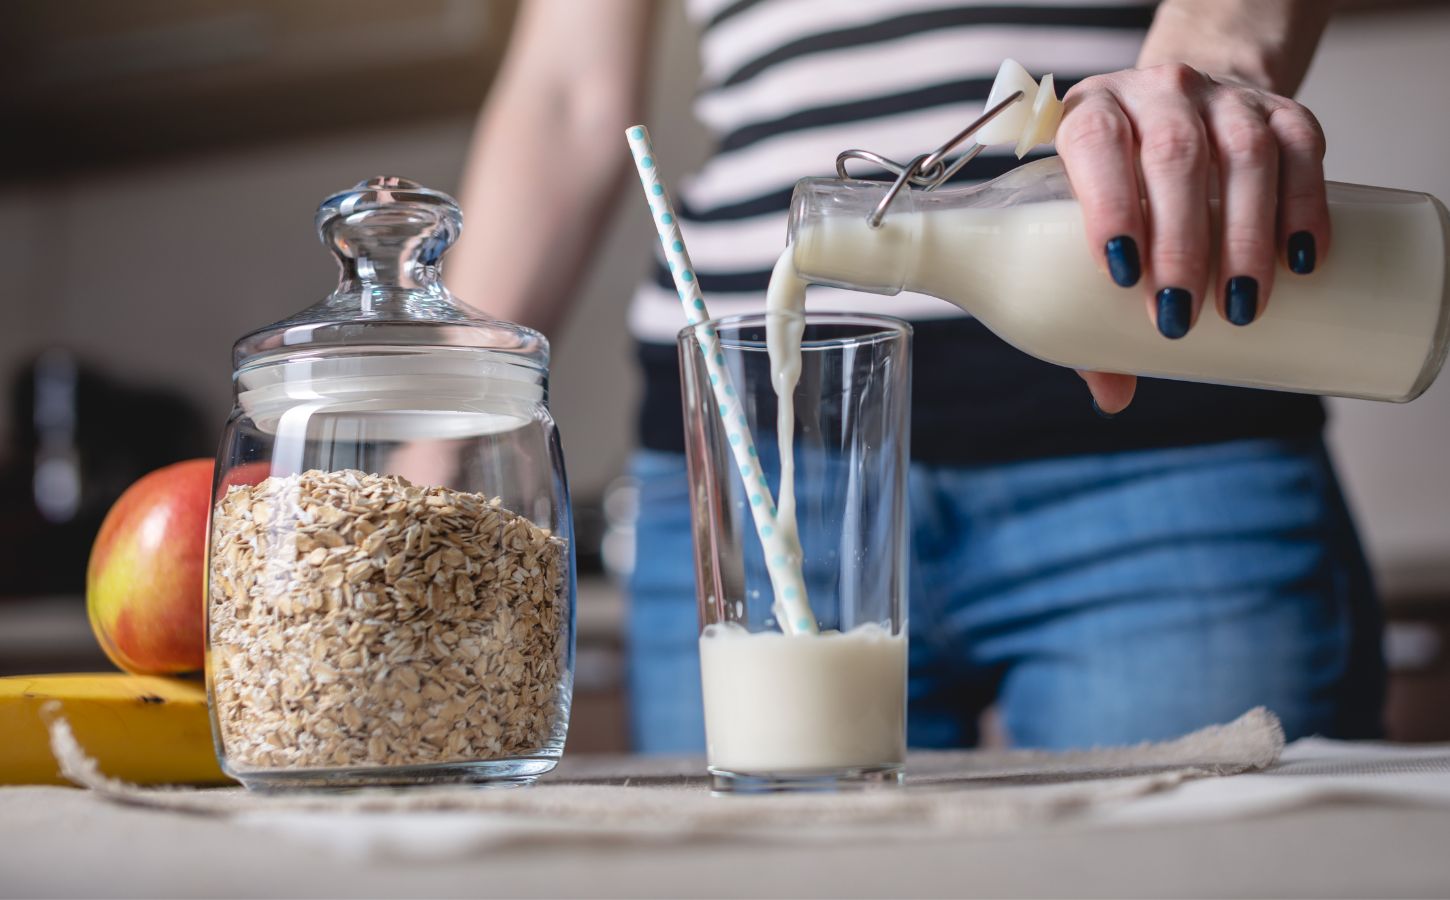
point(1112, 392)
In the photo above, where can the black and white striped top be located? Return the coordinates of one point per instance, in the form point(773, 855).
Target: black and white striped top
point(786, 86)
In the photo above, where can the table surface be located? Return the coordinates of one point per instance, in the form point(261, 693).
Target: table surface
point(65, 842)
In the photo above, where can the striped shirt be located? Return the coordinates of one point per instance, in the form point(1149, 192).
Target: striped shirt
point(788, 84)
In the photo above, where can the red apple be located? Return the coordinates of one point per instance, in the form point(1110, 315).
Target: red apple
point(145, 585)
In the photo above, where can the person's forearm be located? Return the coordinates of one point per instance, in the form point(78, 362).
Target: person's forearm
point(546, 158)
point(1265, 43)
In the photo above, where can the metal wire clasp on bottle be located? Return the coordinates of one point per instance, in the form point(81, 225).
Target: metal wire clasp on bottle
point(930, 170)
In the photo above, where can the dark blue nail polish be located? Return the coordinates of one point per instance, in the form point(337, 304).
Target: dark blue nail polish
point(1241, 299)
point(1175, 309)
point(1123, 265)
point(1099, 410)
point(1301, 253)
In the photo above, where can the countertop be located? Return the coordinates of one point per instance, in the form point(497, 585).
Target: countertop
point(1368, 839)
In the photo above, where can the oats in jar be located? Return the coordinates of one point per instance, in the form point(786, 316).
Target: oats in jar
point(359, 620)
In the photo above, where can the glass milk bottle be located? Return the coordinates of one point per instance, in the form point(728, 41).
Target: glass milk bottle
point(1372, 321)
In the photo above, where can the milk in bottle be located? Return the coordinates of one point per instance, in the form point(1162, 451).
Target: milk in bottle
point(1371, 321)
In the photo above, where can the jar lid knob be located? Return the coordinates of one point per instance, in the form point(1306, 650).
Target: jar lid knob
point(381, 192)
point(375, 215)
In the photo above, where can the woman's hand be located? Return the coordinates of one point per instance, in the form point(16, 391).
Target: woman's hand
point(1144, 147)
point(1182, 130)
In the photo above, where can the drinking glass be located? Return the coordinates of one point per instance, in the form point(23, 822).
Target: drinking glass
point(788, 710)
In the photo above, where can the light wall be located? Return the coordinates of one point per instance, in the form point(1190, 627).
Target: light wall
point(155, 270)
point(1378, 88)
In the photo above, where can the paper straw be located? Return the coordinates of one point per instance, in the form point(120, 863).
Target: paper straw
point(793, 609)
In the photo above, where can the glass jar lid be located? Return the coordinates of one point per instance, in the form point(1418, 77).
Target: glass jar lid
point(390, 341)
point(389, 235)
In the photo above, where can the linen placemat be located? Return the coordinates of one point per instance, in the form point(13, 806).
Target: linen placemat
point(650, 799)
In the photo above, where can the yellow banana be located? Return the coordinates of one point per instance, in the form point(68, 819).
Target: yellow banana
point(139, 728)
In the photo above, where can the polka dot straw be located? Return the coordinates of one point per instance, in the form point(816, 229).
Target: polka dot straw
point(793, 608)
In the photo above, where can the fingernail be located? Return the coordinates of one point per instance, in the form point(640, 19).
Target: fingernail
point(1123, 265)
point(1241, 299)
point(1301, 253)
point(1099, 410)
point(1175, 308)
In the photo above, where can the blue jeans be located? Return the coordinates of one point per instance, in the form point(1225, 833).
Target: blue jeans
point(1097, 599)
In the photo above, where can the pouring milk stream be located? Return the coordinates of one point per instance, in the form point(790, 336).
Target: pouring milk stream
point(1373, 321)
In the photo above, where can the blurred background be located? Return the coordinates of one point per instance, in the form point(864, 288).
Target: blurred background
point(162, 160)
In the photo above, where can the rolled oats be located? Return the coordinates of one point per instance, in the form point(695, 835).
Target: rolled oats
point(358, 620)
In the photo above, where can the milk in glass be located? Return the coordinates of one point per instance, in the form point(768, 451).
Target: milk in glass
point(799, 701)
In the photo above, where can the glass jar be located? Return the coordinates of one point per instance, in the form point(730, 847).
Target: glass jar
point(390, 593)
